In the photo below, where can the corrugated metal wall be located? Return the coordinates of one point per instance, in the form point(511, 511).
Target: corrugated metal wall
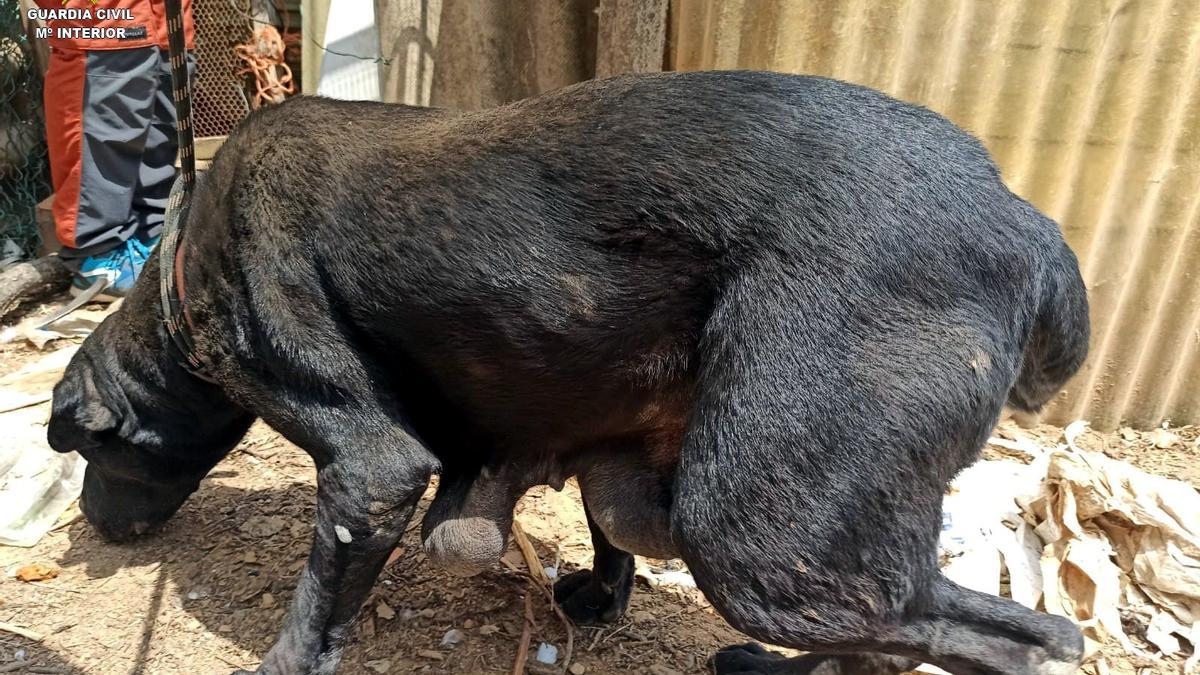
point(1092, 110)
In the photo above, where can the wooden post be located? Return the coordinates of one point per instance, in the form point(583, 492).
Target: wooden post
point(40, 49)
point(631, 36)
point(314, 14)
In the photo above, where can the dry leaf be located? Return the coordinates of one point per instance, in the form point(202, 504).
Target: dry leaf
point(37, 572)
point(35, 382)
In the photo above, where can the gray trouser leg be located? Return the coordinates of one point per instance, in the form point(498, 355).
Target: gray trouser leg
point(158, 161)
point(128, 149)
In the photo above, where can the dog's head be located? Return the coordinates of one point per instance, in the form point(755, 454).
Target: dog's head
point(147, 444)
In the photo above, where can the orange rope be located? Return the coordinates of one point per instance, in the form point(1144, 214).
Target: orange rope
point(264, 57)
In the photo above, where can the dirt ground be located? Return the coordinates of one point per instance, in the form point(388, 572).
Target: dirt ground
point(207, 594)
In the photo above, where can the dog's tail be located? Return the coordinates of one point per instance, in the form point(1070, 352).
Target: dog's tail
point(1059, 341)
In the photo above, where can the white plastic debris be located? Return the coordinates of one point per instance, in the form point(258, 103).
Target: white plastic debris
point(551, 572)
point(982, 527)
point(10, 254)
point(36, 483)
point(453, 637)
point(658, 576)
point(547, 653)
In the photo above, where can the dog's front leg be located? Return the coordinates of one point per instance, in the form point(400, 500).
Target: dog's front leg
point(366, 494)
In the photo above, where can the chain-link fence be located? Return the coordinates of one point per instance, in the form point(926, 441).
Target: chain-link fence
point(24, 169)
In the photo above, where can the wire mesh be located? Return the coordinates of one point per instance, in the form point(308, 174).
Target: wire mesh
point(220, 100)
point(24, 168)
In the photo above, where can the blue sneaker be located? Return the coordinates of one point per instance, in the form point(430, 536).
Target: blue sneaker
point(119, 267)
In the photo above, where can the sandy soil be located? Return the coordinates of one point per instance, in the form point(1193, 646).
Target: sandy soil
point(207, 594)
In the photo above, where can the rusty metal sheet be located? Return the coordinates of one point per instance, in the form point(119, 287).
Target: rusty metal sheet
point(1092, 111)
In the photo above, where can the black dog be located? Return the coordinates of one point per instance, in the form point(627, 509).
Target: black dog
point(763, 318)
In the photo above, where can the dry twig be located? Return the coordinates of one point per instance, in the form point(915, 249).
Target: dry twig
point(23, 632)
point(537, 575)
point(531, 557)
point(526, 636)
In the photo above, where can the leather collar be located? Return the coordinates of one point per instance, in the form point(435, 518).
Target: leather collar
point(176, 318)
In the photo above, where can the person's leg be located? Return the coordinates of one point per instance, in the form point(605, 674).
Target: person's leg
point(118, 107)
point(115, 114)
point(63, 99)
point(157, 170)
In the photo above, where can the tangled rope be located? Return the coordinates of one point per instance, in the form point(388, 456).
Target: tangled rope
point(263, 55)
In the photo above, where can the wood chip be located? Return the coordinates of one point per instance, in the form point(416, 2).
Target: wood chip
point(395, 555)
point(378, 665)
point(385, 612)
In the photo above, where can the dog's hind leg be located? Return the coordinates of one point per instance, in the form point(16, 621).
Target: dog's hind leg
point(808, 499)
point(601, 594)
point(628, 503)
point(371, 473)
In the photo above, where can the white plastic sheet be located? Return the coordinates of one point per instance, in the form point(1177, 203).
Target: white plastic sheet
point(36, 483)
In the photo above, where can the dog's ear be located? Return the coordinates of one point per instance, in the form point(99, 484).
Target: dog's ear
point(80, 414)
point(93, 414)
point(95, 417)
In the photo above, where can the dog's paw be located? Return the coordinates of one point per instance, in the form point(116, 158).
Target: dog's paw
point(753, 659)
point(745, 659)
point(589, 602)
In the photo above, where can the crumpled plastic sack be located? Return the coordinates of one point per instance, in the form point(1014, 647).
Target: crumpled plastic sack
point(36, 483)
point(1118, 538)
point(1082, 535)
